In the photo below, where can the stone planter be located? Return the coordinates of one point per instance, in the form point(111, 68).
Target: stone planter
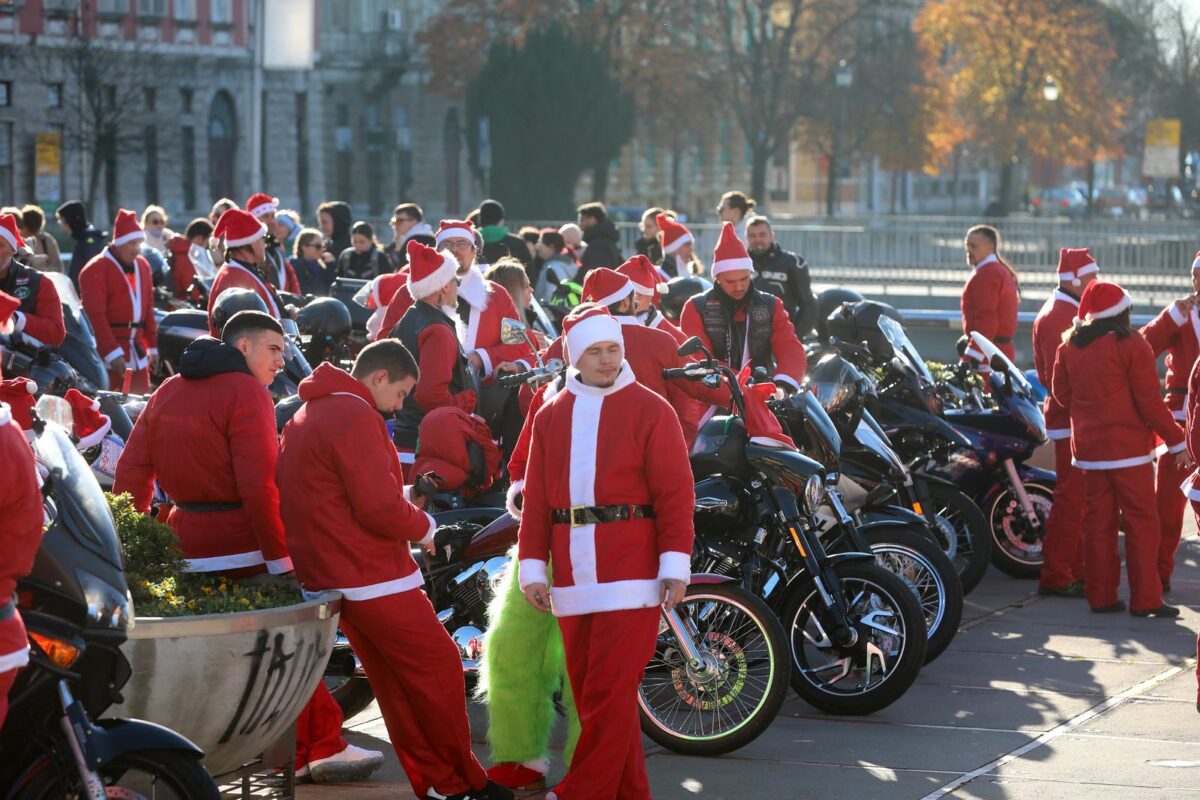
point(232, 683)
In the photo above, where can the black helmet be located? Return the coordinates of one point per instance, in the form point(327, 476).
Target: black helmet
point(679, 291)
point(829, 301)
point(232, 301)
point(858, 323)
point(325, 317)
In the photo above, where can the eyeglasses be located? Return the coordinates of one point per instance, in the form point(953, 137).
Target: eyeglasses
point(317, 245)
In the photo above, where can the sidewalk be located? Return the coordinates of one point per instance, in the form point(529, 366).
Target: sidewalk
point(1035, 698)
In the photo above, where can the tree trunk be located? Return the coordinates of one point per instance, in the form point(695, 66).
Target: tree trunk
point(831, 190)
point(600, 181)
point(1004, 201)
point(760, 153)
point(93, 186)
point(954, 183)
point(1091, 190)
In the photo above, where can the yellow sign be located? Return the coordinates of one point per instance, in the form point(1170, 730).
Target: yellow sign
point(48, 167)
point(1162, 133)
point(1160, 156)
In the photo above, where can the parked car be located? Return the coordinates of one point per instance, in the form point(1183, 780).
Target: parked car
point(1060, 201)
point(1167, 199)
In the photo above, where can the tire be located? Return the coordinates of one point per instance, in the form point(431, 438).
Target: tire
point(972, 548)
point(890, 596)
point(1011, 554)
point(914, 558)
point(352, 694)
point(158, 773)
point(751, 658)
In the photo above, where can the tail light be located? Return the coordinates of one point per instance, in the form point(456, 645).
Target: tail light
point(1066, 203)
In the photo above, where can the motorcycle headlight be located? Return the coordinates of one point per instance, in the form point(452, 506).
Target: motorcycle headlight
point(106, 606)
point(814, 493)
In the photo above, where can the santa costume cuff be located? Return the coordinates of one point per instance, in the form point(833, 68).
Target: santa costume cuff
point(1177, 448)
point(487, 362)
point(531, 571)
point(510, 498)
point(18, 319)
point(280, 566)
point(153, 351)
point(1177, 316)
point(432, 529)
point(113, 356)
point(675, 566)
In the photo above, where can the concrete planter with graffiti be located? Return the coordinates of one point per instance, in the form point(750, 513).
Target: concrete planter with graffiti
point(232, 683)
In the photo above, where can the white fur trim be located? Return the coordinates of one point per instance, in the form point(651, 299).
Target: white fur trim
point(486, 359)
point(113, 356)
point(1058, 434)
point(1177, 316)
point(1063, 277)
point(245, 240)
point(95, 437)
point(1187, 486)
point(430, 531)
point(413, 580)
point(219, 563)
point(5, 414)
point(541, 765)
point(732, 265)
point(678, 243)
point(18, 318)
point(280, 565)
point(1087, 269)
point(673, 565)
point(642, 290)
point(1066, 298)
point(265, 208)
point(581, 477)
point(616, 296)
point(129, 237)
point(510, 498)
point(592, 598)
point(1107, 313)
point(8, 237)
point(454, 233)
point(1196, 265)
point(531, 571)
point(474, 288)
point(1177, 448)
point(435, 280)
point(584, 334)
point(1120, 463)
point(15, 659)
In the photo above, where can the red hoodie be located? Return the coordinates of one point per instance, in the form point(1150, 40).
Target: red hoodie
point(343, 497)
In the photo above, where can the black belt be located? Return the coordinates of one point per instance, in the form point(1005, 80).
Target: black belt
point(593, 515)
point(1177, 391)
point(8, 611)
point(1003, 340)
point(130, 325)
point(207, 507)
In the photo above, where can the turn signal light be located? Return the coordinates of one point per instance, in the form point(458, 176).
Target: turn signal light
point(917, 508)
point(61, 654)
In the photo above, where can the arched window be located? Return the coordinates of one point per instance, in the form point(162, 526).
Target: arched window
point(222, 146)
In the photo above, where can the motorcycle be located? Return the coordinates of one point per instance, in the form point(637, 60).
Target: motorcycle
point(77, 611)
point(856, 631)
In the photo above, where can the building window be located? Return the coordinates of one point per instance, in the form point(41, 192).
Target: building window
point(188, 142)
point(59, 8)
point(221, 12)
point(302, 147)
point(340, 16)
point(150, 142)
point(151, 98)
point(112, 8)
point(6, 160)
point(54, 95)
point(185, 100)
point(152, 8)
point(185, 10)
point(5, 94)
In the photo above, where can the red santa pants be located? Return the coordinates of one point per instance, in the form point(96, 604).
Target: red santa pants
point(139, 382)
point(1171, 503)
point(606, 655)
point(1112, 494)
point(1062, 548)
point(6, 682)
point(416, 672)
point(319, 728)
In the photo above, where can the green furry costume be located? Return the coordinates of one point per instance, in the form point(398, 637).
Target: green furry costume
point(523, 666)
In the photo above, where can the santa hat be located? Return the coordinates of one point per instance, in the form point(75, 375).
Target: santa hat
point(1103, 300)
point(428, 269)
point(239, 228)
point(126, 227)
point(1196, 262)
point(675, 235)
point(8, 305)
point(1074, 263)
point(761, 423)
point(260, 204)
point(587, 325)
point(454, 229)
point(645, 277)
point(10, 232)
point(90, 425)
point(18, 393)
point(604, 286)
point(730, 253)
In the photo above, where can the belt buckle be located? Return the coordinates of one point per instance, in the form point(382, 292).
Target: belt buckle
point(572, 511)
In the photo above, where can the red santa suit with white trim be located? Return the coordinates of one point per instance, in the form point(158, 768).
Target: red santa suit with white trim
point(117, 291)
point(989, 307)
point(648, 283)
point(349, 528)
point(240, 228)
point(1105, 377)
point(21, 533)
point(1175, 331)
point(279, 270)
point(1062, 547)
point(612, 453)
point(39, 312)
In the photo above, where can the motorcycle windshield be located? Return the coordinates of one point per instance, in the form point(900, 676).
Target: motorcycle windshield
point(898, 339)
point(991, 353)
point(869, 438)
point(77, 494)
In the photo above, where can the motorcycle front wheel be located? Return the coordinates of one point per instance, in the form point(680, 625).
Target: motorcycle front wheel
point(963, 531)
point(1016, 550)
point(136, 775)
point(734, 695)
point(880, 666)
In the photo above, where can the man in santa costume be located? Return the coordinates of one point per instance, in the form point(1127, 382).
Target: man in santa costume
point(349, 527)
point(387, 297)
point(1062, 547)
point(647, 284)
point(608, 505)
point(990, 296)
point(208, 437)
point(1106, 379)
point(245, 253)
point(117, 291)
point(1176, 332)
point(276, 265)
point(740, 324)
point(679, 249)
point(428, 330)
point(39, 313)
point(21, 533)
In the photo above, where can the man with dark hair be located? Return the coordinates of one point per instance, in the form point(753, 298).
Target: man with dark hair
point(497, 241)
point(603, 240)
point(349, 526)
point(407, 223)
point(781, 273)
point(72, 216)
point(208, 437)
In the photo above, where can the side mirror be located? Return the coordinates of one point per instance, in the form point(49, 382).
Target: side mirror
point(999, 364)
point(961, 346)
point(554, 365)
point(512, 331)
point(691, 346)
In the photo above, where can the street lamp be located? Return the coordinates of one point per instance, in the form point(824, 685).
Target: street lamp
point(843, 79)
point(1050, 89)
point(1050, 95)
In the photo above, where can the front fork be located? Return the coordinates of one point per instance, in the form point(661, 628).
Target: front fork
point(819, 566)
point(75, 726)
point(1018, 487)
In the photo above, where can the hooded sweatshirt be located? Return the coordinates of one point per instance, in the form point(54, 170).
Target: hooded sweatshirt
point(88, 241)
point(341, 214)
point(603, 249)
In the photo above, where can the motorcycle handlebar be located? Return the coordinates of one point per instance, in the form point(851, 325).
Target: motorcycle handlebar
point(514, 379)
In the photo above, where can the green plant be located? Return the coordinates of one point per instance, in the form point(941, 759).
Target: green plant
point(159, 583)
point(948, 373)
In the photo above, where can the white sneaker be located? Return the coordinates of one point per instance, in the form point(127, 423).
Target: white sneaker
point(352, 764)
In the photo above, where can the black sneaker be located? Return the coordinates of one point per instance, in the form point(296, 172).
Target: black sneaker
point(491, 791)
point(1071, 590)
point(1114, 608)
point(1164, 612)
point(1166, 587)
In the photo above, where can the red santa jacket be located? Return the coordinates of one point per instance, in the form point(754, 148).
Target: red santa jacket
point(389, 298)
point(438, 356)
point(40, 314)
point(661, 323)
point(1191, 486)
point(1055, 318)
point(208, 436)
point(401, 302)
point(489, 303)
point(114, 302)
point(348, 522)
point(234, 275)
point(603, 447)
point(21, 533)
point(1178, 335)
point(1110, 390)
point(786, 350)
point(445, 434)
point(183, 271)
point(989, 304)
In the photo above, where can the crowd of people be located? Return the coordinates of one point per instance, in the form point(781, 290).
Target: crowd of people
point(597, 458)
